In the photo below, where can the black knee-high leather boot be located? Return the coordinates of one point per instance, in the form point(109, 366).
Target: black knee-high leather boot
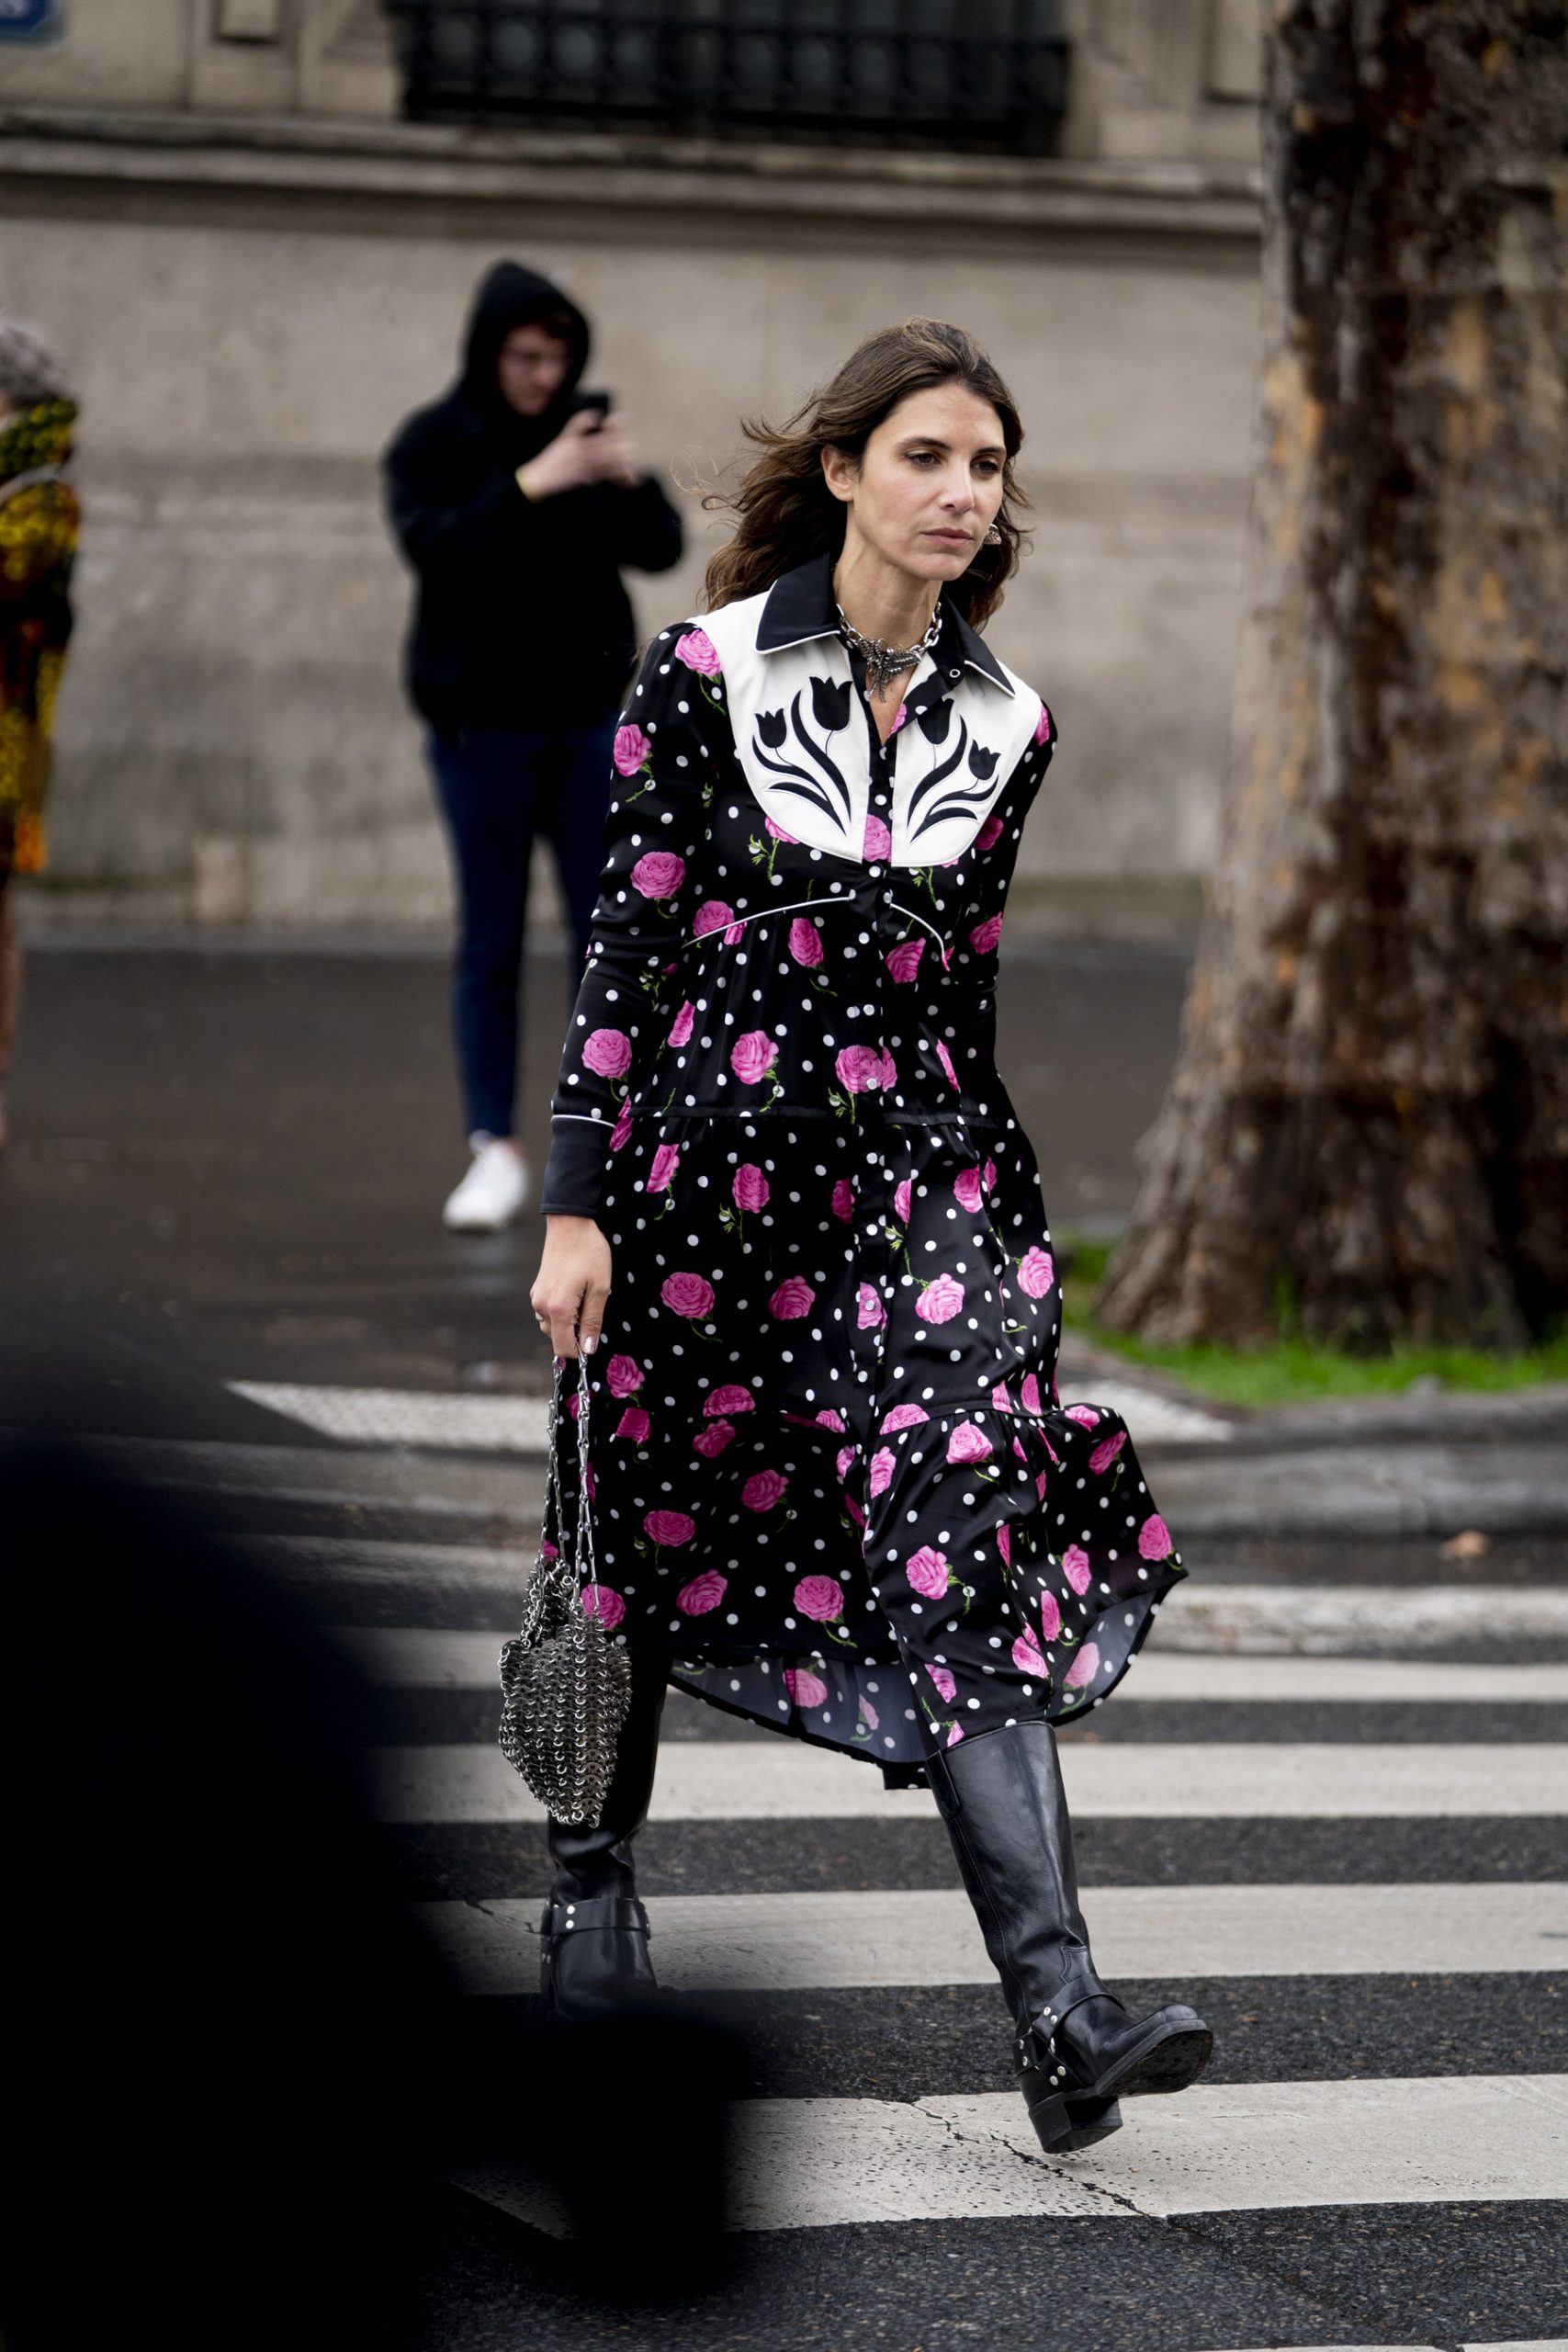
point(1077, 2050)
point(593, 1959)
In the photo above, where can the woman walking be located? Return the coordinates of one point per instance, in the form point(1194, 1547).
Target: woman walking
point(38, 548)
point(794, 1220)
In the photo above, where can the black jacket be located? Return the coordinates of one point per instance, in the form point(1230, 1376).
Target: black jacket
point(520, 618)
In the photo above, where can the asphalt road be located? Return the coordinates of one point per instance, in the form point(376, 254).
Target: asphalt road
point(238, 1157)
point(229, 1165)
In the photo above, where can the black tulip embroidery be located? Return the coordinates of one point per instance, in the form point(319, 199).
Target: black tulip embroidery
point(806, 771)
point(981, 761)
point(829, 703)
point(772, 728)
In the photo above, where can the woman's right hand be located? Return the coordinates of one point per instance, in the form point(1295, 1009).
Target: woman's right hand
point(572, 1284)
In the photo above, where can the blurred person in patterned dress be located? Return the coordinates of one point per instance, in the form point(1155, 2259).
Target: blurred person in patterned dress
point(38, 520)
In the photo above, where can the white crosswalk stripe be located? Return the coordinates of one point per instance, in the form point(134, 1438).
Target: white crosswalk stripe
point(751, 1780)
point(1219, 2148)
point(775, 1942)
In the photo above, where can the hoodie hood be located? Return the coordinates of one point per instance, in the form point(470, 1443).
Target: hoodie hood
point(509, 296)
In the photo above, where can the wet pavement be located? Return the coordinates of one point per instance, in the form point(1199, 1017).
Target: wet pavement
point(234, 1157)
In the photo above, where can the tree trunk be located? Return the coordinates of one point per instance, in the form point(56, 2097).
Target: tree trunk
point(1368, 1127)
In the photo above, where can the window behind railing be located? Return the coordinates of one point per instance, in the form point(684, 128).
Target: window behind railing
point(933, 73)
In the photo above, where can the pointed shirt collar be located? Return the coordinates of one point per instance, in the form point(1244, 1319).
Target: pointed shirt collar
point(800, 608)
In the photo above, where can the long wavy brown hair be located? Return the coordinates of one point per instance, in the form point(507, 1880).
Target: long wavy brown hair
point(786, 513)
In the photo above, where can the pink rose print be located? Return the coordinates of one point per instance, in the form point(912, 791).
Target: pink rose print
point(842, 1200)
point(1004, 1544)
point(945, 1058)
point(819, 1596)
point(750, 1189)
point(793, 1298)
point(608, 1053)
point(712, 915)
point(1076, 1566)
point(763, 1489)
point(954, 1735)
point(683, 1025)
point(710, 1443)
point(733, 933)
point(990, 834)
point(659, 874)
point(731, 1399)
point(869, 1311)
point(1002, 1401)
point(988, 1176)
point(1085, 1416)
point(1035, 1273)
point(1043, 726)
point(634, 1424)
point(777, 833)
point(1154, 1539)
point(927, 1572)
point(687, 1295)
point(666, 1159)
point(900, 715)
point(983, 939)
point(881, 1468)
point(868, 1714)
point(1050, 1616)
point(889, 1072)
point(828, 1419)
point(1084, 1668)
point(1026, 1658)
point(968, 1443)
point(752, 1056)
point(623, 1377)
point(807, 1689)
point(598, 1601)
point(946, 1681)
point(854, 1510)
point(903, 1417)
point(671, 1527)
point(844, 1462)
point(698, 652)
point(967, 1189)
point(704, 1592)
point(939, 1301)
point(859, 1069)
point(631, 748)
point(878, 840)
point(903, 1200)
point(904, 961)
point(1029, 1392)
point(1105, 1452)
point(806, 943)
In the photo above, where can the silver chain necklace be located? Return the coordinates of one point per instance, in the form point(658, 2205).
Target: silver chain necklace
point(886, 662)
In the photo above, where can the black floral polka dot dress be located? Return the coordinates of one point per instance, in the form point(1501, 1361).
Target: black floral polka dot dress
point(831, 1483)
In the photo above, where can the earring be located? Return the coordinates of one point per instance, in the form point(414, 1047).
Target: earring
point(994, 537)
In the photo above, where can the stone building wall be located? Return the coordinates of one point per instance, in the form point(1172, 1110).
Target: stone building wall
point(256, 273)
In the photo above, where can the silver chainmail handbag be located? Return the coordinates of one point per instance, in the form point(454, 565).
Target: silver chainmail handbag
point(565, 1685)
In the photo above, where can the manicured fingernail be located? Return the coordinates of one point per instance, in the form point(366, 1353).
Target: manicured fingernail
point(589, 1345)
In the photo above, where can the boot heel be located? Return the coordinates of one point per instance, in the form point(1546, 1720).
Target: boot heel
point(1092, 2119)
point(1053, 2124)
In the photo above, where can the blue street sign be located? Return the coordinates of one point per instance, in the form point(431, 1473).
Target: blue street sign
point(32, 20)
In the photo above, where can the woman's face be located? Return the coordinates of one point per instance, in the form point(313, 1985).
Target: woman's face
point(927, 485)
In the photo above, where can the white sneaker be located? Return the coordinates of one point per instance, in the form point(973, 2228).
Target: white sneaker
point(492, 1192)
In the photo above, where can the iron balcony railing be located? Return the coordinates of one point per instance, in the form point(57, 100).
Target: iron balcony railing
point(966, 74)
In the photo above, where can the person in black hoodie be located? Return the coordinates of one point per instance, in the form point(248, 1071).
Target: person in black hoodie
point(517, 500)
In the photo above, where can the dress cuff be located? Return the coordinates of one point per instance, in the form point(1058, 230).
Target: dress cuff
point(574, 1173)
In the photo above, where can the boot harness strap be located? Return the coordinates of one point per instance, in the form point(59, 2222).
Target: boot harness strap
point(619, 1911)
point(1079, 1986)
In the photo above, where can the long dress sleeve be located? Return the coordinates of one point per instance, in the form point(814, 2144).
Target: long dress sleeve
point(671, 738)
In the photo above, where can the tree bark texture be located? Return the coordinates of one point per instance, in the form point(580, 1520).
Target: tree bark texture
point(1368, 1123)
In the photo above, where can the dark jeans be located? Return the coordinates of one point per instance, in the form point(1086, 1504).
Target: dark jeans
point(498, 791)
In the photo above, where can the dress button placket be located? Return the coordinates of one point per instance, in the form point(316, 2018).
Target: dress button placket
point(880, 925)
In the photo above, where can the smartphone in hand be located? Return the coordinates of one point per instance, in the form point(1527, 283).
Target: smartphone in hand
point(597, 404)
